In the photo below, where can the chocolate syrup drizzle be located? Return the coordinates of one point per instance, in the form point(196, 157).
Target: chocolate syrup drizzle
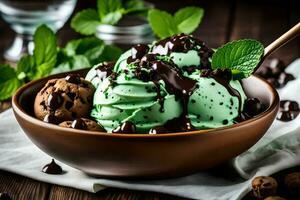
point(223, 77)
point(184, 43)
point(149, 68)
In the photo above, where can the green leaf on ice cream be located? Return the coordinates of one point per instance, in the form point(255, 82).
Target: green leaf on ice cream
point(241, 56)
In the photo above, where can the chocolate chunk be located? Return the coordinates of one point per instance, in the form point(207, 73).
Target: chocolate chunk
point(158, 130)
point(127, 127)
point(71, 95)
point(253, 107)
point(284, 78)
point(288, 110)
point(73, 78)
point(79, 124)
point(51, 118)
point(55, 100)
point(69, 105)
point(52, 168)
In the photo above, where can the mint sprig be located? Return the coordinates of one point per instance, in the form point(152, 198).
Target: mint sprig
point(108, 12)
point(9, 82)
point(185, 20)
point(48, 58)
point(241, 57)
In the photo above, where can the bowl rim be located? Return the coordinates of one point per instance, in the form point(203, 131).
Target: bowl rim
point(17, 108)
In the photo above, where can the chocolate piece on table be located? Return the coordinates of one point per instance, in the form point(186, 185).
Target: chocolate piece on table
point(288, 110)
point(52, 168)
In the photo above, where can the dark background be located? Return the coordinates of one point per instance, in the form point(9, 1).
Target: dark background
point(224, 20)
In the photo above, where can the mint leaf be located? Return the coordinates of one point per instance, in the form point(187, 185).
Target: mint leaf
point(9, 82)
point(81, 46)
point(188, 19)
point(26, 67)
point(110, 11)
point(86, 22)
point(242, 56)
point(112, 18)
point(45, 49)
point(135, 7)
point(162, 23)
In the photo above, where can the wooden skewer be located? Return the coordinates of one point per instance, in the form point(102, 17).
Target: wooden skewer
point(282, 40)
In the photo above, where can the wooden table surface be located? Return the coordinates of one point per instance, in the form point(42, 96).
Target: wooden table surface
point(264, 20)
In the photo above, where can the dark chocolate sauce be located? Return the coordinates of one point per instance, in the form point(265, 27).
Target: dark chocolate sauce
point(104, 70)
point(177, 84)
point(158, 130)
point(184, 43)
point(73, 78)
point(52, 168)
point(4, 196)
point(55, 100)
point(288, 110)
point(127, 127)
point(223, 77)
point(79, 124)
point(51, 118)
point(137, 52)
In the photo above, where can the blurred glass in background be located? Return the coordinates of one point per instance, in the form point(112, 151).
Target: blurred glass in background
point(24, 16)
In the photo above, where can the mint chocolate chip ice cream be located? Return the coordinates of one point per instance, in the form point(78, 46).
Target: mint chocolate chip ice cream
point(167, 86)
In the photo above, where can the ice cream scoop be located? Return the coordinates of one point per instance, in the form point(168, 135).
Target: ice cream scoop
point(168, 84)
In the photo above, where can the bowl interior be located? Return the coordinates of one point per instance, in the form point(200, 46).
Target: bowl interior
point(253, 87)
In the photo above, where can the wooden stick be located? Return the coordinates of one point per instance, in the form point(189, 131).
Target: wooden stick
point(289, 35)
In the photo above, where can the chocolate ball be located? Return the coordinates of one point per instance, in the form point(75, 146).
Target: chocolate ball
point(264, 186)
point(253, 107)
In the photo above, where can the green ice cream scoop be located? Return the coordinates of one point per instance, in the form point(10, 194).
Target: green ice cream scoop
point(157, 85)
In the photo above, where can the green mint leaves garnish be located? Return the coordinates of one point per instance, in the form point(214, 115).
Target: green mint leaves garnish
point(48, 58)
point(185, 20)
point(86, 22)
point(108, 12)
point(241, 57)
point(84, 53)
point(9, 82)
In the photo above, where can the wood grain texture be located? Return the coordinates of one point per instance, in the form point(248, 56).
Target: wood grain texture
point(58, 193)
point(21, 188)
point(266, 21)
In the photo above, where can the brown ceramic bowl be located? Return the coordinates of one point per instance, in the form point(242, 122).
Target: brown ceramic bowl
point(143, 155)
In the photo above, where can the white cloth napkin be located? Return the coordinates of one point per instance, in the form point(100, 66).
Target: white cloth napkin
point(277, 150)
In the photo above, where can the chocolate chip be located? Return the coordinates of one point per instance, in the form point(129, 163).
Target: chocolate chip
point(51, 118)
point(71, 95)
point(127, 127)
point(69, 105)
point(73, 78)
point(158, 130)
point(253, 107)
point(79, 124)
point(52, 168)
point(55, 100)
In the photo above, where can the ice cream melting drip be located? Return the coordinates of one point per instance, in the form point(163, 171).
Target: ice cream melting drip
point(183, 43)
point(223, 77)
